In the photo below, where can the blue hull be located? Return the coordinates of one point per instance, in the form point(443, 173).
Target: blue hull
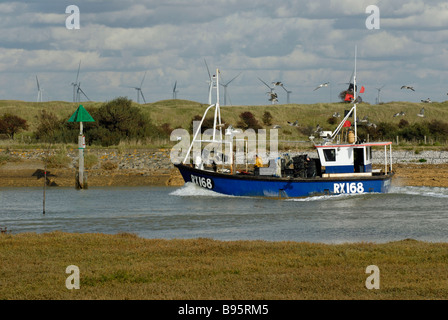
point(262, 186)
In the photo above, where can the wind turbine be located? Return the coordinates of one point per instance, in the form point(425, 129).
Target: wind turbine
point(287, 95)
point(39, 91)
point(76, 84)
point(273, 95)
point(378, 98)
point(225, 89)
point(139, 90)
point(175, 91)
point(78, 93)
point(77, 87)
point(287, 91)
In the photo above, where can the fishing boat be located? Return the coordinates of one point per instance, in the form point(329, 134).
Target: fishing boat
point(341, 167)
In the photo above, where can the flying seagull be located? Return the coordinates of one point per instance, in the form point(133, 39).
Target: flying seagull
point(407, 87)
point(271, 93)
point(422, 113)
point(336, 115)
point(401, 113)
point(273, 96)
point(426, 101)
point(293, 124)
point(278, 83)
point(321, 85)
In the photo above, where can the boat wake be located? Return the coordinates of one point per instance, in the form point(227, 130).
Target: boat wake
point(436, 192)
point(325, 198)
point(193, 190)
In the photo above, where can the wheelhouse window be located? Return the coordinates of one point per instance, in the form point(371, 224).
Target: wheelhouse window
point(330, 154)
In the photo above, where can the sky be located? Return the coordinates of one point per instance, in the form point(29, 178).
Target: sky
point(299, 43)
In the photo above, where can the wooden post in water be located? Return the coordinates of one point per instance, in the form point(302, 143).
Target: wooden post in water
point(45, 178)
point(45, 185)
point(81, 115)
point(81, 183)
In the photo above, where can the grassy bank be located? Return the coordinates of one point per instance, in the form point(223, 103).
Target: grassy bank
point(125, 266)
point(179, 114)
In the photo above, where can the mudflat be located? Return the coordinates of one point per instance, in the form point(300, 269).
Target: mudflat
point(26, 174)
point(23, 174)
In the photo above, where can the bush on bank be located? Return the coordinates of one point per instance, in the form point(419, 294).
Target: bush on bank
point(436, 130)
point(115, 121)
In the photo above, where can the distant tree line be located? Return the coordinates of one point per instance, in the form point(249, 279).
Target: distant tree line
point(118, 120)
point(436, 130)
point(115, 121)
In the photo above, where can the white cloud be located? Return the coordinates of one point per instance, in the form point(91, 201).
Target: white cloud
point(301, 43)
point(417, 15)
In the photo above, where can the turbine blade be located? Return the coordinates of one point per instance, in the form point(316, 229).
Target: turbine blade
point(79, 67)
point(142, 96)
point(233, 78)
point(141, 84)
point(209, 76)
point(264, 83)
point(83, 93)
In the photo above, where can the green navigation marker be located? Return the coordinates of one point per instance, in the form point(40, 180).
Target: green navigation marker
point(81, 115)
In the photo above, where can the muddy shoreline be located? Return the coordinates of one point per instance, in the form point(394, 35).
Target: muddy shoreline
point(59, 177)
point(23, 174)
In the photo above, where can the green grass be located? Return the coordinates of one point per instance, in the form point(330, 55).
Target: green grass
point(179, 113)
point(30, 110)
point(124, 266)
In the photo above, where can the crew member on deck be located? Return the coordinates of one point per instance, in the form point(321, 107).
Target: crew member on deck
point(258, 164)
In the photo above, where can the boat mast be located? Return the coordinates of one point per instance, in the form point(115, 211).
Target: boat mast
point(216, 120)
point(217, 117)
point(352, 110)
point(354, 96)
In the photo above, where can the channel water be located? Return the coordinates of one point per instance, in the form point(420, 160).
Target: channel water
point(191, 212)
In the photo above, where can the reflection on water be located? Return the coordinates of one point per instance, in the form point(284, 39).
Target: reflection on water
point(190, 212)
